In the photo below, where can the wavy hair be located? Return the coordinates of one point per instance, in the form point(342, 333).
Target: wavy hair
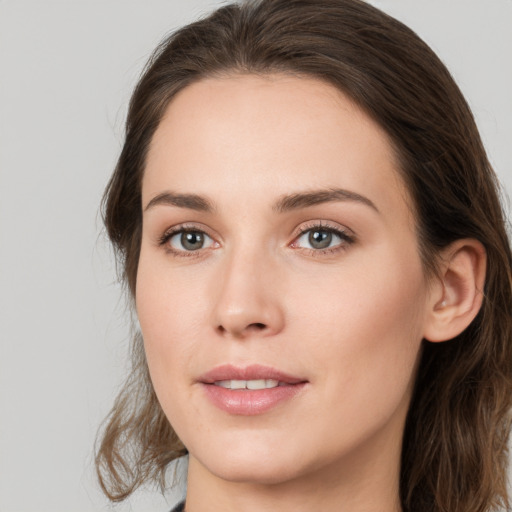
point(454, 454)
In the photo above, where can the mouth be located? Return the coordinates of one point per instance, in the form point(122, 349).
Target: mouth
point(249, 377)
point(250, 384)
point(250, 390)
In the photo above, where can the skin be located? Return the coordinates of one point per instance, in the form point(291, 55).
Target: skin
point(349, 320)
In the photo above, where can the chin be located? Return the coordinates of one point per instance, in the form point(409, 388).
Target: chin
point(268, 472)
point(252, 464)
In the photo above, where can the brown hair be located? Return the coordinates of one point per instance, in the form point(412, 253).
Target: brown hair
point(454, 452)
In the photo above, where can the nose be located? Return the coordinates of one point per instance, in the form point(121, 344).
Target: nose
point(248, 298)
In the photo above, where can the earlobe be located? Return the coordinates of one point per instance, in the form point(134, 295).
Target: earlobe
point(457, 296)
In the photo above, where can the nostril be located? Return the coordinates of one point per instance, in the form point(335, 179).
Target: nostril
point(257, 326)
point(242, 330)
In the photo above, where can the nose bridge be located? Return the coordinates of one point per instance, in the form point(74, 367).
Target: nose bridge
point(247, 298)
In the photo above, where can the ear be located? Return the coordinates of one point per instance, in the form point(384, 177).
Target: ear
point(457, 294)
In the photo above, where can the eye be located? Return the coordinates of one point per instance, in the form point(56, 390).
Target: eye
point(321, 238)
point(188, 240)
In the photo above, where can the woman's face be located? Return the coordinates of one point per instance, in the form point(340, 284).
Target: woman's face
point(279, 252)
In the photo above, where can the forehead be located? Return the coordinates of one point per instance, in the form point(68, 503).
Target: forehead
point(258, 136)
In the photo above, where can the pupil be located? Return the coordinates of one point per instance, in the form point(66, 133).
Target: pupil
point(320, 239)
point(192, 240)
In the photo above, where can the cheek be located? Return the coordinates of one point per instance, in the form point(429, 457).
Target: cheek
point(169, 316)
point(362, 326)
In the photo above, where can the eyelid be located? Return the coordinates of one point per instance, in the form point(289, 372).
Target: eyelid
point(325, 225)
point(187, 226)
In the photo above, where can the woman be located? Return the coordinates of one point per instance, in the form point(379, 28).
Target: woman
point(312, 236)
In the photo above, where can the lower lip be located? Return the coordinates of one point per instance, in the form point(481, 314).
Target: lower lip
point(250, 402)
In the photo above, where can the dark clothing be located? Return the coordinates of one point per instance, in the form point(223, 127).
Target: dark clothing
point(180, 507)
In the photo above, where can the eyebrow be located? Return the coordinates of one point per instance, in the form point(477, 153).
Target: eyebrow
point(314, 197)
point(284, 204)
point(190, 201)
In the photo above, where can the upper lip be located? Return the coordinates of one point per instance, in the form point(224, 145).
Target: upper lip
point(252, 372)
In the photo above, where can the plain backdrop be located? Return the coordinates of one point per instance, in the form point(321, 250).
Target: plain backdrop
point(67, 68)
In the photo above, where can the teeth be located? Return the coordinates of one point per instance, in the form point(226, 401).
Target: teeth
point(237, 384)
point(249, 384)
point(259, 384)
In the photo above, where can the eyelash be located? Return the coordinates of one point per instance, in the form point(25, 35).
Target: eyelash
point(346, 237)
point(176, 230)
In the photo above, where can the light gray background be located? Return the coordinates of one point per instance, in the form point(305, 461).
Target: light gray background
point(66, 71)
